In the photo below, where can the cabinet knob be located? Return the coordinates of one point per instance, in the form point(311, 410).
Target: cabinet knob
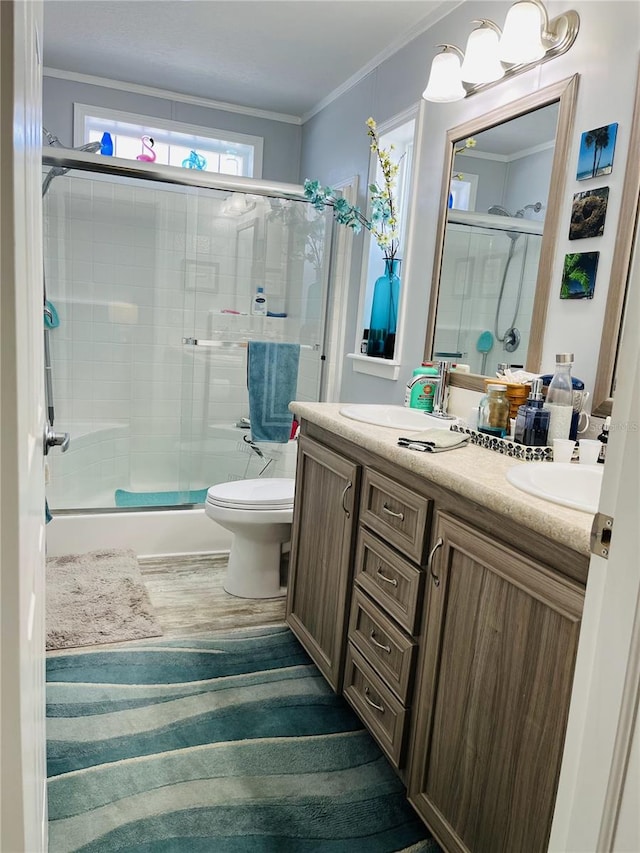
point(434, 576)
point(344, 495)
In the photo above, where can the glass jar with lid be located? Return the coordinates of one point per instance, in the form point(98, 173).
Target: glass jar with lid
point(493, 415)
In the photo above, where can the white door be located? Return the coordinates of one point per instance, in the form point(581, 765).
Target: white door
point(22, 418)
point(597, 804)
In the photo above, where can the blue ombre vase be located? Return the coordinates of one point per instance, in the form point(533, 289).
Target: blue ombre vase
point(384, 311)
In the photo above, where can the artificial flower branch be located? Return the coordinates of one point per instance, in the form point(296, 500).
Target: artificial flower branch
point(383, 224)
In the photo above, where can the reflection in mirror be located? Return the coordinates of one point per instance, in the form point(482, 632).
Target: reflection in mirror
point(492, 242)
point(501, 194)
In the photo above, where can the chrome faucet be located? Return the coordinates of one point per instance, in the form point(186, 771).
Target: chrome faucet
point(440, 395)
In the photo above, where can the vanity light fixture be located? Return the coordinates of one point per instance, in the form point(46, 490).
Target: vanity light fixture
point(445, 81)
point(481, 63)
point(529, 38)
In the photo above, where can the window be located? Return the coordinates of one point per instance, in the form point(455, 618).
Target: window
point(172, 143)
point(401, 136)
point(464, 188)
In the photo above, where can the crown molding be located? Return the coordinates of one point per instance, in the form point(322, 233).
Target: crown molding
point(167, 95)
point(426, 23)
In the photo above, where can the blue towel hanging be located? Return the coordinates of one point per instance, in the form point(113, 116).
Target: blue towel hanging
point(272, 377)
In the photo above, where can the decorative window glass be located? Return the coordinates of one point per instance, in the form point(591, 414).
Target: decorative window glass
point(170, 143)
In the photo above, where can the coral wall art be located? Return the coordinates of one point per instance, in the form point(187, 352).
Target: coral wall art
point(588, 213)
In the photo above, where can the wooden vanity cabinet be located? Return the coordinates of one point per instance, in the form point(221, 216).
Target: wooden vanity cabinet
point(326, 501)
point(495, 680)
point(461, 639)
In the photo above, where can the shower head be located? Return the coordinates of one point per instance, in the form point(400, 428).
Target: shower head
point(498, 210)
point(91, 147)
point(56, 171)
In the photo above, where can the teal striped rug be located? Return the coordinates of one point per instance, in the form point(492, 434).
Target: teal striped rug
point(225, 744)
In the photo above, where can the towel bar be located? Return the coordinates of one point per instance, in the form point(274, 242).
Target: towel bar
point(199, 342)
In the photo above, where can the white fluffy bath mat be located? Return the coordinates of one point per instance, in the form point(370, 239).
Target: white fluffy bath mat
point(98, 597)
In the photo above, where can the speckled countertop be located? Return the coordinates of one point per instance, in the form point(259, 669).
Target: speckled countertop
point(471, 471)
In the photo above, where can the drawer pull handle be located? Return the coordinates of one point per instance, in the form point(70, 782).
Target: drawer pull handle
point(434, 576)
point(371, 702)
point(344, 494)
point(372, 637)
point(392, 581)
point(399, 515)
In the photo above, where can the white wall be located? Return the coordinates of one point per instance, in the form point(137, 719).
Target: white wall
point(605, 56)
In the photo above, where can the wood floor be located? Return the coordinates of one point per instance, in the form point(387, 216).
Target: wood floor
point(188, 597)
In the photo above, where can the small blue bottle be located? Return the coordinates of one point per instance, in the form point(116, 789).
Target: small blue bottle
point(106, 145)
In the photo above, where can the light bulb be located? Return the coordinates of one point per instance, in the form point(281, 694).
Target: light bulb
point(521, 40)
point(444, 83)
point(481, 63)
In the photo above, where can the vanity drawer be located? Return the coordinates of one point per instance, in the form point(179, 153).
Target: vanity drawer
point(376, 705)
point(397, 514)
point(391, 581)
point(389, 651)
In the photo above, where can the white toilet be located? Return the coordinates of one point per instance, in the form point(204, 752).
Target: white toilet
point(259, 514)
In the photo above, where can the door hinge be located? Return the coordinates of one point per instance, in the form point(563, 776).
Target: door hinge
point(601, 534)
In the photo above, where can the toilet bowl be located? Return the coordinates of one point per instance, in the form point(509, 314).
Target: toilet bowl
point(259, 514)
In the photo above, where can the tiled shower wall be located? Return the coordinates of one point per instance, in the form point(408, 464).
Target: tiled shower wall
point(134, 269)
point(474, 262)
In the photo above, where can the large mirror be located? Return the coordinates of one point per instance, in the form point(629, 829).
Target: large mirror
point(501, 195)
point(626, 235)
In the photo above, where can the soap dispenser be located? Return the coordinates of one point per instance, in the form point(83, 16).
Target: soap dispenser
point(532, 420)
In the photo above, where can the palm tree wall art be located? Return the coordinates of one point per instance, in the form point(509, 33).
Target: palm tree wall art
point(579, 275)
point(597, 147)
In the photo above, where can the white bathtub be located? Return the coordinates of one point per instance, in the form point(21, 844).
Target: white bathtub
point(150, 531)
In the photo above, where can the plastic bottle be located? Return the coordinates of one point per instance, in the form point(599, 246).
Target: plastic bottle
point(259, 304)
point(532, 420)
point(559, 402)
point(106, 144)
point(493, 414)
point(421, 388)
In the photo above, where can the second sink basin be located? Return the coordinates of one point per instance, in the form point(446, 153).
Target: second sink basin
point(397, 417)
point(577, 486)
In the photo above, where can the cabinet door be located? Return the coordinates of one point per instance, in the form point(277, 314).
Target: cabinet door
point(322, 545)
point(495, 684)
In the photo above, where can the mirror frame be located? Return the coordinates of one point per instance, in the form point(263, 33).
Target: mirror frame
point(620, 268)
point(563, 92)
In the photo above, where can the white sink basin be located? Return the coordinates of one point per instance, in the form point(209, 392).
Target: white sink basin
point(397, 417)
point(577, 486)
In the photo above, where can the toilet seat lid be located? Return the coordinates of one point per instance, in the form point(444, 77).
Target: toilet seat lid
point(270, 493)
